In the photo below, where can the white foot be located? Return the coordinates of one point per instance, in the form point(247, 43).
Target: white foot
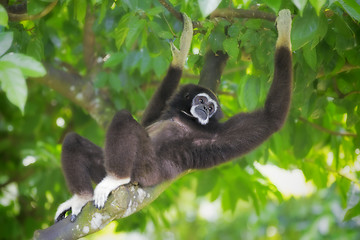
point(76, 203)
point(104, 188)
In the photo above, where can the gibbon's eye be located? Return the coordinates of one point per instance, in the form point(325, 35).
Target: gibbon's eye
point(201, 100)
point(211, 108)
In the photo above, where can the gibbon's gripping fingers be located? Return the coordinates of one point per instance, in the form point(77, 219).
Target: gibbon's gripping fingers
point(179, 56)
point(103, 189)
point(284, 29)
point(76, 203)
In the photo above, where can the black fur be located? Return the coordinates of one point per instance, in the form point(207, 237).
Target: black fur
point(169, 142)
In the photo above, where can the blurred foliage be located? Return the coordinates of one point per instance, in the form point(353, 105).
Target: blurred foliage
point(321, 136)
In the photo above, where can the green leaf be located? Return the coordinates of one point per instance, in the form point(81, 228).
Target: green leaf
point(154, 11)
point(35, 49)
point(160, 65)
point(251, 92)
point(103, 10)
point(302, 141)
point(4, 18)
point(317, 4)
point(304, 29)
point(231, 47)
point(101, 79)
point(310, 56)
point(300, 4)
point(352, 212)
point(136, 26)
point(208, 6)
point(253, 24)
point(114, 60)
point(115, 82)
point(6, 39)
point(80, 9)
point(274, 4)
point(216, 39)
point(28, 65)
point(35, 7)
point(145, 64)
point(13, 83)
point(234, 30)
point(121, 31)
point(352, 7)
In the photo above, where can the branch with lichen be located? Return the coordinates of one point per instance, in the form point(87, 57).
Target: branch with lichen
point(123, 202)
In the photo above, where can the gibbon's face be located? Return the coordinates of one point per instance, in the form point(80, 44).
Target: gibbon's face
point(203, 108)
point(198, 103)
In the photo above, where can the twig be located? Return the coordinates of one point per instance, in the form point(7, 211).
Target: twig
point(340, 94)
point(22, 17)
point(80, 91)
point(318, 127)
point(345, 68)
point(89, 40)
point(330, 169)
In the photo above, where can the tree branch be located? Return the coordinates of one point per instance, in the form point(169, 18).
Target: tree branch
point(89, 40)
point(340, 94)
point(345, 68)
point(79, 91)
point(176, 13)
point(318, 127)
point(230, 13)
point(22, 17)
point(123, 202)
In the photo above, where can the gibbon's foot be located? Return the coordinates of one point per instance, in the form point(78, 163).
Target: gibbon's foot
point(283, 22)
point(76, 203)
point(104, 188)
point(179, 56)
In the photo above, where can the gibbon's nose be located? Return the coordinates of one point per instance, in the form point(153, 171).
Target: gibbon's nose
point(206, 108)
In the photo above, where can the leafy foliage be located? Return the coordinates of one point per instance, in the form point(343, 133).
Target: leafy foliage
point(125, 54)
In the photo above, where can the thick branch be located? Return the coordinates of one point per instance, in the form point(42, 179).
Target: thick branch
point(79, 91)
point(22, 17)
point(230, 13)
point(318, 127)
point(123, 202)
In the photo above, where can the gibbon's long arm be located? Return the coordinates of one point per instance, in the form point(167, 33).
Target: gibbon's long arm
point(172, 78)
point(245, 131)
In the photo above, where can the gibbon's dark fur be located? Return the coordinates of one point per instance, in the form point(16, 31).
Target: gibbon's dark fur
point(170, 140)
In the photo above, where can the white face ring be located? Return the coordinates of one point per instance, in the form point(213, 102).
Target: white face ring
point(193, 112)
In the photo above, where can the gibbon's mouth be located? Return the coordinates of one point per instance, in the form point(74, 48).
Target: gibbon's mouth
point(201, 113)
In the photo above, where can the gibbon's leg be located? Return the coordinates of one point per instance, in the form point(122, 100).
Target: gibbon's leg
point(125, 142)
point(82, 161)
